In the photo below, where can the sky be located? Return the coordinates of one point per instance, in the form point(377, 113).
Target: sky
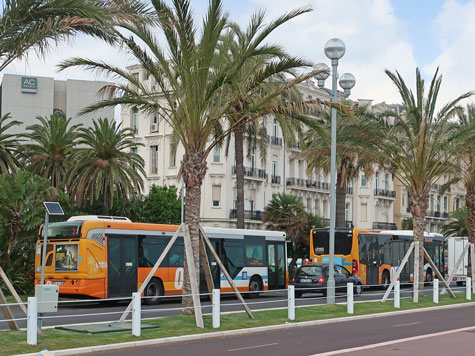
point(379, 34)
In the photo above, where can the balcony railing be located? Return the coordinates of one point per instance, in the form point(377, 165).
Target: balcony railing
point(248, 214)
point(253, 172)
point(307, 183)
point(384, 226)
point(438, 214)
point(274, 140)
point(385, 193)
point(275, 179)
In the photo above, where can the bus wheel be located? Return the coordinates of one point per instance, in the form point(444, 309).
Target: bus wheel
point(386, 281)
point(429, 275)
point(255, 286)
point(358, 289)
point(154, 289)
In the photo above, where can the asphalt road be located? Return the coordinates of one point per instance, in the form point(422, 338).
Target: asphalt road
point(96, 311)
point(311, 340)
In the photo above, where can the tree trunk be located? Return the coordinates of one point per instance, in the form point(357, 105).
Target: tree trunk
point(239, 155)
point(340, 220)
point(419, 203)
point(470, 202)
point(193, 170)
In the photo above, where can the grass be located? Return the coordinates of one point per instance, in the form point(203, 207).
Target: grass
point(14, 342)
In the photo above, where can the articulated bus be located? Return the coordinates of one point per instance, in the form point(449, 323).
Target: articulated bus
point(107, 257)
point(375, 256)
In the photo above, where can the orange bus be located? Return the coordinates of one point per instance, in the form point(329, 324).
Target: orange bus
point(375, 256)
point(108, 257)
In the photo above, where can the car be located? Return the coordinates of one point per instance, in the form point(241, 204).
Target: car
point(312, 278)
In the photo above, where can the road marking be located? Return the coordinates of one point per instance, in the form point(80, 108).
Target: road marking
point(386, 343)
point(252, 347)
point(397, 326)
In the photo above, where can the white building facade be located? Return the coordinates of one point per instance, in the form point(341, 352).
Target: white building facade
point(26, 97)
point(369, 202)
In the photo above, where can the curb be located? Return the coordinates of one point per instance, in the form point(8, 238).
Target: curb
point(287, 325)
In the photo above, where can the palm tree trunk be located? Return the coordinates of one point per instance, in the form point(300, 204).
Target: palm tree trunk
point(340, 220)
point(418, 209)
point(470, 202)
point(193, 170)
point(239, 155)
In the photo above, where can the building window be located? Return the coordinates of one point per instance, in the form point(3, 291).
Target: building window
point(317, 207)
point(432, 202)
point(274, 128)
point(438, 203)
point(217, 154)
point(347, 211)
point(216, 193)
point(154, 123)
point(386, 181)
point(309, 205)
point(253, 158)
point(135, 76)
point(446, 204)
point(364, 212)
point(154, 159)
point(274, 168)
point(172, 159)
point(134, 150)
point(134, 122)
point(251, 205)
point(145, 74)
point(363, 180)
point(457, 203)
point(376, 177)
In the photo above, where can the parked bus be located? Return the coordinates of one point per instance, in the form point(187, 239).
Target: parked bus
point(106, 257)
point(375, 256)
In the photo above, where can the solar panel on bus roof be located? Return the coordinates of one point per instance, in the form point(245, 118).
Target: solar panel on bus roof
point(53, 208)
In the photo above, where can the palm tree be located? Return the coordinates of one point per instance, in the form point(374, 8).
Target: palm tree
point(351, 155)
point(458, 223)
point(9, 146)
point(104, 167)
point(250, 85)
point(40, 24)
point(418, 147)
point(285, 212)
point(192, 96)
point(21, 210)
point(54, 141)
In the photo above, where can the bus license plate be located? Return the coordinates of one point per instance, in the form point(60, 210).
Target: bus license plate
point(306, 280)
point(59, 283)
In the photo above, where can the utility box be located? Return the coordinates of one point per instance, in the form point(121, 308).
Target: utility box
point(47, 295)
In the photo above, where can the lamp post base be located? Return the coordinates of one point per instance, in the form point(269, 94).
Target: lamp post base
point(331, 292)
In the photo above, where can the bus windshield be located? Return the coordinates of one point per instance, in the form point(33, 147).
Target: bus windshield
point(343, 242)
point(61, 230)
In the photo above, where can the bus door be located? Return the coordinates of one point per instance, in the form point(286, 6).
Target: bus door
point(398, 251)
point(122, 265)
point(372, 272)
point(277, 263)
point(213, 265)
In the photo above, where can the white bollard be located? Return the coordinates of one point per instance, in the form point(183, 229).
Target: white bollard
point(32, 321)
point(291, 302)
point(397, 294)
point(216, 308)
point(136, 314)
point(435, 291)
point(349, 298)
point(468, 288)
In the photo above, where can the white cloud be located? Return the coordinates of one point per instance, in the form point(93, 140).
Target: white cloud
point(454, 29)
point(375, 40)
point(374, 37)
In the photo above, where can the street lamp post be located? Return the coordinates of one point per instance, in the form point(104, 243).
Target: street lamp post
point(334, 50)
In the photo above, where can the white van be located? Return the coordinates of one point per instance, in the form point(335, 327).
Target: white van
point(455, 246)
